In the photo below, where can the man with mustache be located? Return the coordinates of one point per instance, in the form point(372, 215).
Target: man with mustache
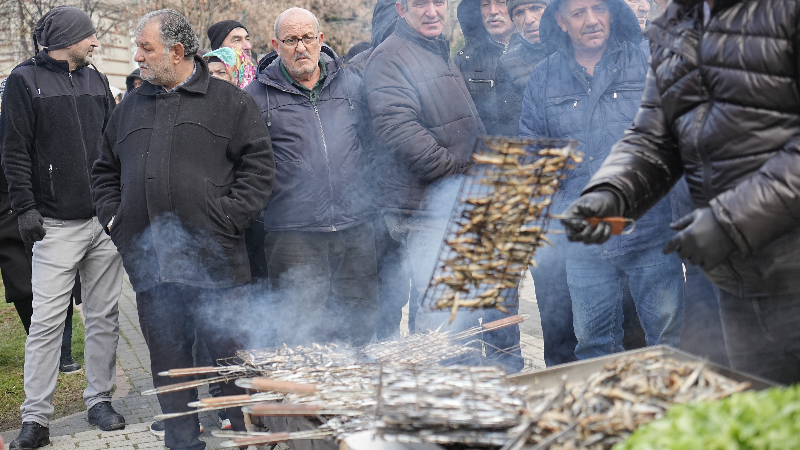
point(516, 65)
point(57, 108)
point(185, 166)
point(425, 126)
point(320, 245)
point(487, 34)
point(728, 121)
point(590, 90)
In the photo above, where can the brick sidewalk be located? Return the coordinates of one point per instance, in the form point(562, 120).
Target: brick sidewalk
point(74, 432)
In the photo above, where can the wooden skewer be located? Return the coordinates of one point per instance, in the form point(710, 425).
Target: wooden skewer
point(269, 384)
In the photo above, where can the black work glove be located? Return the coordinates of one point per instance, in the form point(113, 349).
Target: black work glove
point(30, 226)
point(700, 239)
point(594, 204)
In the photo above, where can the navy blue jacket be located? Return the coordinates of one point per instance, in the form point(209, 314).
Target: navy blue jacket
point(322, 179)
point(563, 101)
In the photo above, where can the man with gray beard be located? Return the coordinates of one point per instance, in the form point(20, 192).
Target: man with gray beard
point(195, 160)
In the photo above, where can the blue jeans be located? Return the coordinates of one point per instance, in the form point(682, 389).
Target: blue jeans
point(596, 283)
point(554, 302)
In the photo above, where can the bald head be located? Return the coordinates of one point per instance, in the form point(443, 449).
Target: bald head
point(295, 14)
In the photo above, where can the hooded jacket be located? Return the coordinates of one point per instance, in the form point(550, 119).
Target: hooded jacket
point(722, 106)
point(52, 123)
point(478, 60)
point(423, 119)
point(135, 75)
point(183, 174)
point(563, 101)
point(512, 76)
point(322, 169)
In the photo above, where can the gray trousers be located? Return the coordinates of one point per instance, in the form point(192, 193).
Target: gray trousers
point(70, 246)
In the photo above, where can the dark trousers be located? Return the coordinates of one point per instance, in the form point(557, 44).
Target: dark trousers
point(762, 335)
point(503, 346)
point(555, 305)
point(170, 315)
point(702, 327)
point(394, 283)
point(324, 285)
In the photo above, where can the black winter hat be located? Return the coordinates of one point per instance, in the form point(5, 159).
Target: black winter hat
point(511, 4)
point(63, 26)
point(220, 30)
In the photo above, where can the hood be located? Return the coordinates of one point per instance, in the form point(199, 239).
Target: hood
point(130, 78)
point(325, 55)
point(625, 26)
point(383, 18)
point(469, 16)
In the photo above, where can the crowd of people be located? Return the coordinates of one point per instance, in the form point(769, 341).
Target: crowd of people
point(303, 198)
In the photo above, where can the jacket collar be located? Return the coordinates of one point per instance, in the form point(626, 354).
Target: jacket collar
point(197, 85)
point(718, 4)
point(438, 45)
point(273, 76)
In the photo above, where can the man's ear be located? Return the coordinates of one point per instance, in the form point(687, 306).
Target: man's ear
point(177, 53)
point(321, 36)
point(400, 10)
point(561, 22)
point(275, 44)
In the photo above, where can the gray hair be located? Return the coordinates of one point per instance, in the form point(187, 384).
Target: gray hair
point(174, 29)
point(404, 4)
point(291, 10)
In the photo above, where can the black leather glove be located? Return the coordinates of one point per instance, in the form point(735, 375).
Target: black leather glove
point(30, 226)
point(601, 203)
point(701, 240)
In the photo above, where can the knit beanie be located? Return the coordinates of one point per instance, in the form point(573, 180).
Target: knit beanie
point(220, 30)
point(63, 26)
point(511, 4)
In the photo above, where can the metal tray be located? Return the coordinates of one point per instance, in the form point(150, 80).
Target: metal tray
point(581, 370)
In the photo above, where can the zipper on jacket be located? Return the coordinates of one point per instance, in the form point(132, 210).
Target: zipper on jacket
point(52, 187)
point(80, 128)
point(328, 161)
point(491, 82)
point(701, 122)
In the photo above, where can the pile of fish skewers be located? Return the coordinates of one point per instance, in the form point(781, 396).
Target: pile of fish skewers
point(611, 404)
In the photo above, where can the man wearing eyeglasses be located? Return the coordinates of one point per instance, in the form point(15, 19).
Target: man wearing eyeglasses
point(320, 245)
point(425, 124)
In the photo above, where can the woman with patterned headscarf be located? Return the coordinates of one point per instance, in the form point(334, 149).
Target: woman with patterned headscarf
point(237, 64)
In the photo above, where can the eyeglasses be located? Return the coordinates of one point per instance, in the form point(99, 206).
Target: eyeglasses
point(293, 41)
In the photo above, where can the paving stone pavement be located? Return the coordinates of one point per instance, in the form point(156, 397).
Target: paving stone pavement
point(74, 431)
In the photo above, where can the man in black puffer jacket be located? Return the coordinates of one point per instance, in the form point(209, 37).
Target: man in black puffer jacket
point(526, 50)
point(722, 110)
point(424, 125)
point(487, 33)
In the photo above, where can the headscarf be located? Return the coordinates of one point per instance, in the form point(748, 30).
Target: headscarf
point(243, 69)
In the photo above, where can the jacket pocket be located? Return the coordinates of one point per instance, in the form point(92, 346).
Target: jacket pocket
point(117, 237)
point(219, 223)
point(295, 196)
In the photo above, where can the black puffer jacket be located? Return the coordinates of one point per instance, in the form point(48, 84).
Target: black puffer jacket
point(513, 71)
point(423, 119)
point(53, 121)
point(722, 104)
point(478, 60)
point(184, 174)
